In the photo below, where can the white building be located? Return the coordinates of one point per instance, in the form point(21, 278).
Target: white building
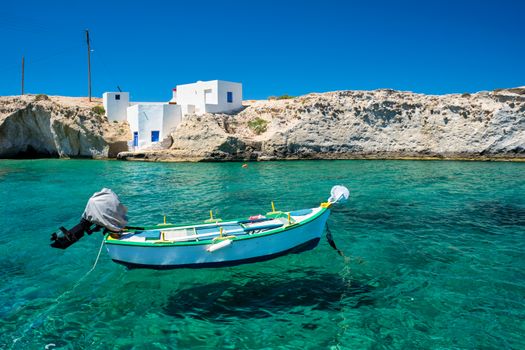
point(115, 105)
point(215, 96)
point(151, 122)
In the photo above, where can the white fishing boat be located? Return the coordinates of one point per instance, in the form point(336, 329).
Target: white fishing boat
point(214, 243)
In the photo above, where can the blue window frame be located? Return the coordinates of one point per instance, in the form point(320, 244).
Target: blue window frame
point(229, 96)
point(135, 138)
point(155, 135)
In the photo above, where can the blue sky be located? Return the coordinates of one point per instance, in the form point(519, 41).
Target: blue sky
point(272, 47)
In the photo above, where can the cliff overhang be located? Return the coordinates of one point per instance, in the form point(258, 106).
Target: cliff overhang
point(40, 127)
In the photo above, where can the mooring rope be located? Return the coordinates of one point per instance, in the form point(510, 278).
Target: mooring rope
point(57, 300)
point(92, 268)
point(331, 242)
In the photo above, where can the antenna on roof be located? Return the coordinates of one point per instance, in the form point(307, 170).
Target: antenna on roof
point(119, 89)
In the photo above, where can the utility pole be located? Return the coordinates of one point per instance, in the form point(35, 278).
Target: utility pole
point(22, 75)
point(89, 63)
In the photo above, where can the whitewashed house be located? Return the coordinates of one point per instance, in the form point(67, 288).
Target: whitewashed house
point(151, 122)
point(215, 96)
point(116, 105)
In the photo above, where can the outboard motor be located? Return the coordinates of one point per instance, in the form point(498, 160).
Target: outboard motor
point(103, 211)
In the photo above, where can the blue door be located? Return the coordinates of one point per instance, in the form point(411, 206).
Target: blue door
point(155, 136)
point(135, 138)
point(229, 96)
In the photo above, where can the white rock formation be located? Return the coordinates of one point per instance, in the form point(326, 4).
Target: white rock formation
point(386, 123)
point(333, 125)
point(36, 126)
point(359, 124)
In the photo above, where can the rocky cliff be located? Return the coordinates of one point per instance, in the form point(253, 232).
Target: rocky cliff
point(41, 126)
point(357, 124)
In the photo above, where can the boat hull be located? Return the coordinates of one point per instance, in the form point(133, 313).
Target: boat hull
point(294, 239)
point(296, 250)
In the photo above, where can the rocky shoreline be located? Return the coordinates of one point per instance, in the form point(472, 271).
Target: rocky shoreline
point(379, 124)
point(152, 156)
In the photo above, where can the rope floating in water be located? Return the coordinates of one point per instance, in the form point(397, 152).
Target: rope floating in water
point(57, 300)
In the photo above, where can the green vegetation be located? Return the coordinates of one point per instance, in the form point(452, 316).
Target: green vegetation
point(466, 95)
point(41, 97)
point(258, 125)
point(98, 110)
point(282, 97)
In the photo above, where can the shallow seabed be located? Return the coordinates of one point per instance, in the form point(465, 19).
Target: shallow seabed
point(437, 258)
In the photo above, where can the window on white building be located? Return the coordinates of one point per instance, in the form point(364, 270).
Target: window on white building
point(117, 97)
point(229, 96)
point(155, 136)
point(135, 138)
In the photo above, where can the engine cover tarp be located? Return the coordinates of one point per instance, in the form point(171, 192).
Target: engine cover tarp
point(104, 209)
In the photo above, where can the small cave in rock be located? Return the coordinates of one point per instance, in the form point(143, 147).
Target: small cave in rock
point(28, 134)
point(31, 152)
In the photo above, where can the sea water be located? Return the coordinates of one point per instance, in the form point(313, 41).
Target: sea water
point(435, 258)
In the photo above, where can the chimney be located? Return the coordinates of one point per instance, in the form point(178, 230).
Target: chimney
point(173, 100)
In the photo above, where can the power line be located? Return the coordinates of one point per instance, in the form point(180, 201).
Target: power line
point(15, 66)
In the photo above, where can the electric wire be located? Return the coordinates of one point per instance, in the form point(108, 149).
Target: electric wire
point(42, 59)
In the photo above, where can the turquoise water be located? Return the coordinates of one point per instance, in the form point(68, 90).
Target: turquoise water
point(436, 258)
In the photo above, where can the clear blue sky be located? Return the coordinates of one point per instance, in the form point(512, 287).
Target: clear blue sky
point(272, 47)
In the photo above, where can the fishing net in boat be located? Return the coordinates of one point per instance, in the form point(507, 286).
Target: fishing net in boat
point(104, 209)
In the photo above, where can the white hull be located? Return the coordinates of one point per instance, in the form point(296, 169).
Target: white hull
point(258, 247)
